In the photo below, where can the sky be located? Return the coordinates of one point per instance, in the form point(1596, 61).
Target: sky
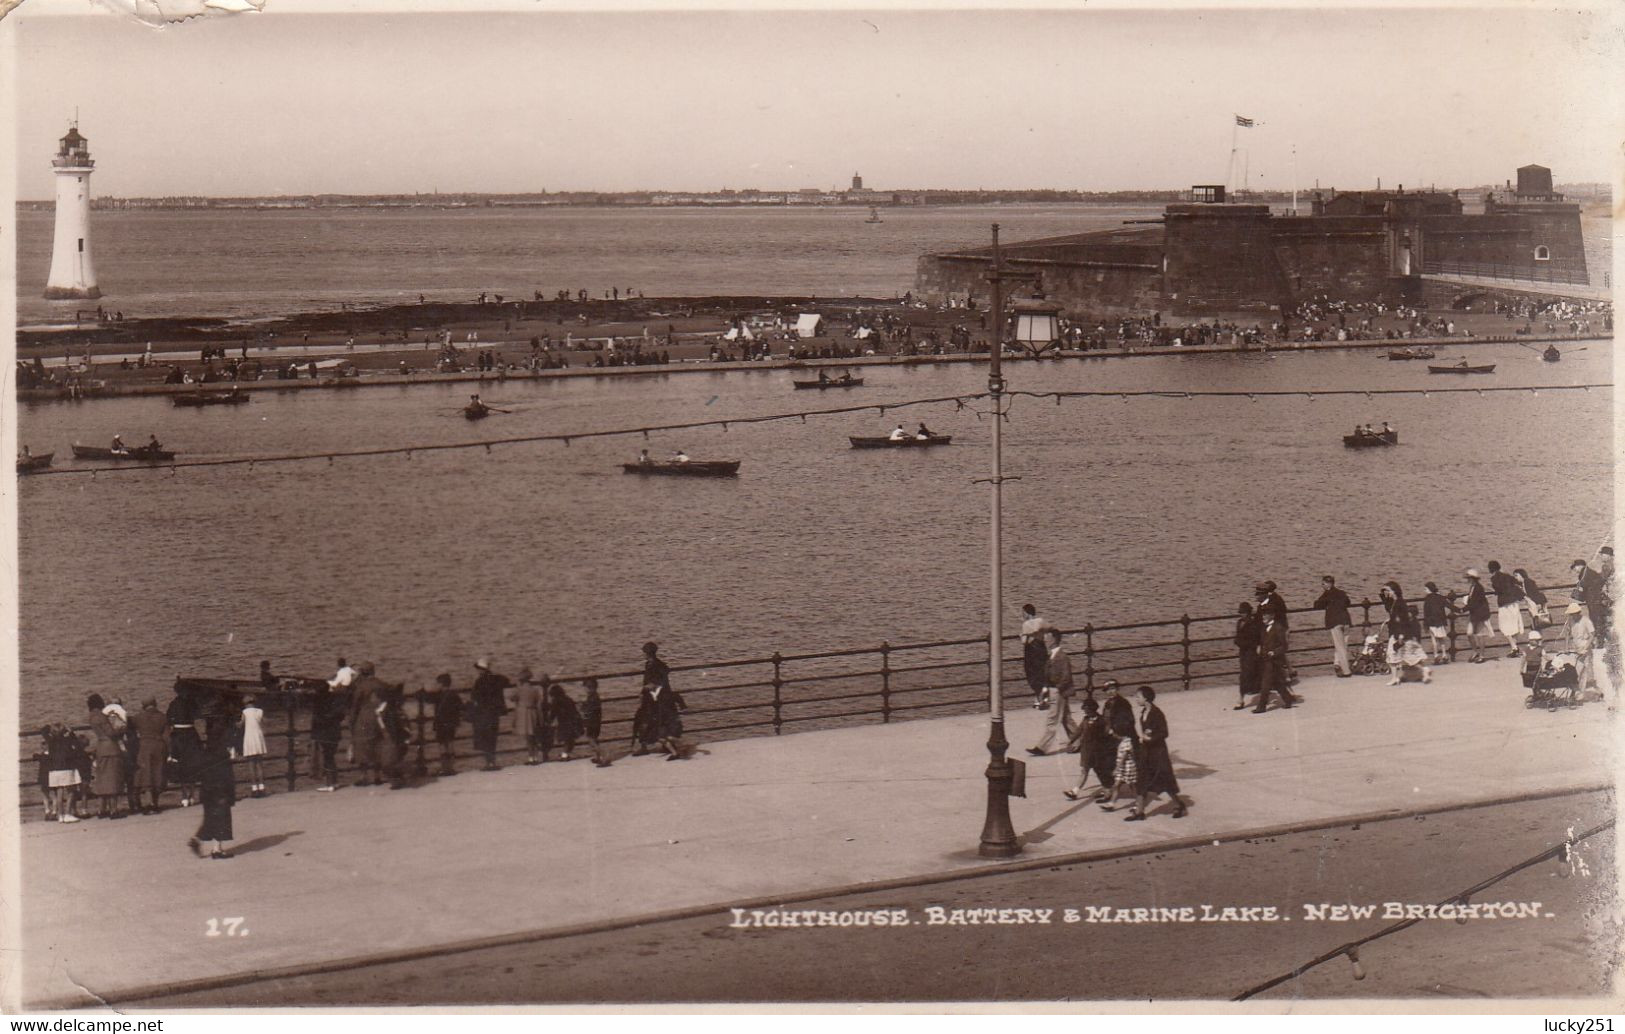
point(284, 102)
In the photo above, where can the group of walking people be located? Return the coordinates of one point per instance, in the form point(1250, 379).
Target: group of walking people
point(1124, 744)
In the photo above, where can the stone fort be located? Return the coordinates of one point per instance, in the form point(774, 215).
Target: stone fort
point(1209, 255)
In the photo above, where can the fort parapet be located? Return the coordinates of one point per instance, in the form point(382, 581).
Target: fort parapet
point(1217, 257)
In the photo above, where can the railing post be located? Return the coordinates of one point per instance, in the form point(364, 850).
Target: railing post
point(778, 695)
point(423, 702)
point(1451, 652)
point(885, 682)
point(293, 733)
point(1089, 656)
point(1365, 621)
point(1185, 648)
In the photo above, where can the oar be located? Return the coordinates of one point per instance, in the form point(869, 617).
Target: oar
point(1531, 348)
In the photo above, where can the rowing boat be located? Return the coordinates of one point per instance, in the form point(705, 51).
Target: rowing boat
point(1372, 440)
point(213, 398)
point(839, 382)
point(476, 412)
point(33, 463)
point(1411, 353)
point(143, 454)
point(1462, 368)
point(899, 443)
point(686, 468)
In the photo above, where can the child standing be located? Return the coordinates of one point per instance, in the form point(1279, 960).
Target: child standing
point(1436, 616)
point(254, 748)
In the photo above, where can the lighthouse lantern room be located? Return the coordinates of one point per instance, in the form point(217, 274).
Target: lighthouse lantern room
point(72, 274)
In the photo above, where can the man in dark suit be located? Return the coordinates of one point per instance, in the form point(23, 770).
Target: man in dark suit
point(1272, 646)
point(366, 734)
point(487, 705)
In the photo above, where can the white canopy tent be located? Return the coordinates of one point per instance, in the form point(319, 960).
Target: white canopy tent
point(807, 324)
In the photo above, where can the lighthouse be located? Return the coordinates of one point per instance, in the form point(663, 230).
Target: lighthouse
point(72, 275)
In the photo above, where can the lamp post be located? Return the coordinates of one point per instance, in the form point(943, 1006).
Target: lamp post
point(998, 834)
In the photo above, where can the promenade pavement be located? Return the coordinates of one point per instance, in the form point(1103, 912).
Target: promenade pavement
point(117, 906)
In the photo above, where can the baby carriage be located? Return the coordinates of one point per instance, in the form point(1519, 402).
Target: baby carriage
point(1553, 682)
point(1372, 658)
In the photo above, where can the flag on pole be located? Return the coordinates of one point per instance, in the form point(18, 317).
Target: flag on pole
point(1245, 123)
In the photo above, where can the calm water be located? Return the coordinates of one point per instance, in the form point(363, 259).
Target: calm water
point(548, 555)
point(246, 263)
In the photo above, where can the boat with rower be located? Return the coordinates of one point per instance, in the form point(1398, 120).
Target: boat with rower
point(1365, 438)
point(911, 442)
point(234, 397)
point(1463, 367)
point(476, 412)
point(1410, 353)
point(29, 464)
point(1552, 354)
point(685, 468)
point(144, 454)
point(844, 381)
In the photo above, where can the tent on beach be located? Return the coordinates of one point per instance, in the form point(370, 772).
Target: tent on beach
point(807, 324)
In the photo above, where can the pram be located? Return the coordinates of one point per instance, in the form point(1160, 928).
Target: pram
point(1553, 684)
point(1372, 658)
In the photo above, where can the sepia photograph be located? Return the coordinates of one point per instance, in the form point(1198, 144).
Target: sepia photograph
point(935, 508)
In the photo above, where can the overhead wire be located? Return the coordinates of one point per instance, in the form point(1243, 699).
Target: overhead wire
point(959, 401)
point(1563, 851)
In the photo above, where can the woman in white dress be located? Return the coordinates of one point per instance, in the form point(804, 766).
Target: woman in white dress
point(254, 748)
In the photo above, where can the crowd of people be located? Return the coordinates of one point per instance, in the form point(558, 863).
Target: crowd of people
point(1123, 744)
point(122, 763)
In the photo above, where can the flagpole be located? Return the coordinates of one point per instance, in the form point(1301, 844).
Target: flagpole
point(1230, 170)
point(1294, 179)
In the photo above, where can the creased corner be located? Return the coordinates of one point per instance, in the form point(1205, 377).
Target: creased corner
point(7, 6)
point(168, 12)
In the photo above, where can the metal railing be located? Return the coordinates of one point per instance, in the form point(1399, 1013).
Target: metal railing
point(829, 689)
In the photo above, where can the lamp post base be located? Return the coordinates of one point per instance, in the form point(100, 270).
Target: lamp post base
point(998, 833)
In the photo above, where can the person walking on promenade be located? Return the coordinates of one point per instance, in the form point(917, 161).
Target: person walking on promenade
point(1034, 652)
point(1156, 775)
point(1269, 599)
point(366, 735)
point(1404, 649)
point(1096, 749)
point(185, 745)
point(1249, 631)
point(592, 720)
point(663, 721)
point(152, 746)
point(1539, 614)
point(1436, 616)
point(1272, 647)
point(563, 718)
point(1478, 615)
point(1058, 690)
point(219, 789)
point(486, 707)
point(1509, 606)
point(1335, 602)
point(1118, 715)
point(328, 710)
point(108, 783)
point(527, 716)
point(254, 748)
point(448, 717)
point(1592, 591)
point(1583, 641)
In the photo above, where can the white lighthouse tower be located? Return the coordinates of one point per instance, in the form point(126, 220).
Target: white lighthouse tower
point(72, 275)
